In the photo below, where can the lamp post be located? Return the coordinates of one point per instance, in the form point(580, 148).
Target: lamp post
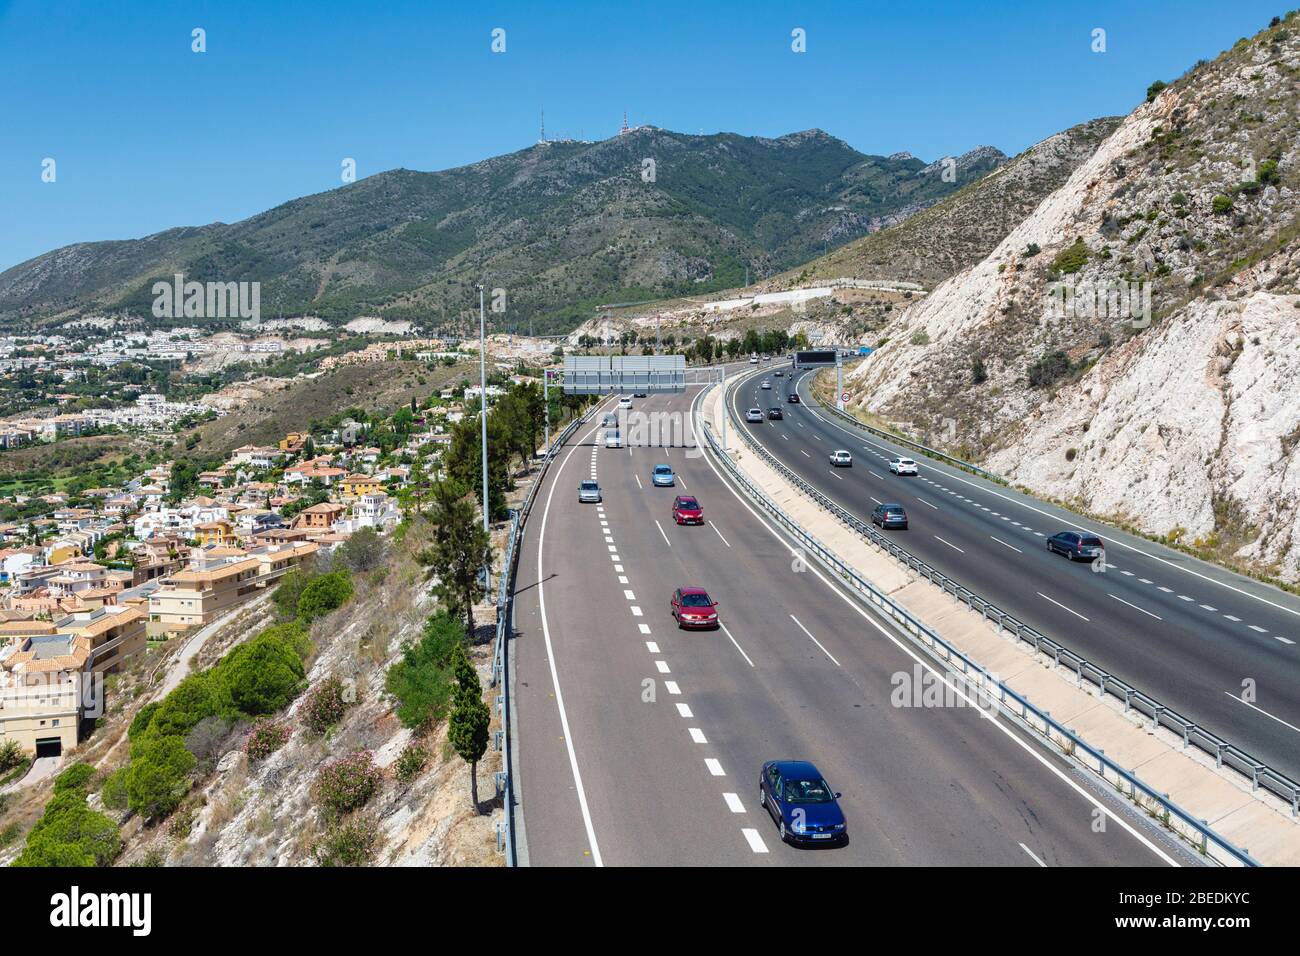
point(482, 411)
point(546, 405)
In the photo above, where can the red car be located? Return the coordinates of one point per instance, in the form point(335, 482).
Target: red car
point(687, 510)
point(692, 607)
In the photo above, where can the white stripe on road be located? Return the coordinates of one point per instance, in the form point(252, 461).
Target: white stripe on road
point(1005, 545)
point(949, 544)
point(652, 647)
point(697, 735)
point(1262, 711)
point(733, 641)
point(814, 640)
point(1060, 605)
point(733, 803)
point(662, 667)
point(1031, 855)
point(661, 531)
point(684, 711)
point(1134, 607)
point(754, 840)
point(714, 766)
point(719, 534)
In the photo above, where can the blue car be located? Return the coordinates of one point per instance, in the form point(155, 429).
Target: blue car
point(663, 477)
point(801, 802)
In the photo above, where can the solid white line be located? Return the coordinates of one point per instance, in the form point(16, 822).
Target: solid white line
point(754, 840)
point(1031, 855)
point(949, 544)
point(1060, 605)
point(697, 735)
point(1134, 607)
point(715, 767)
point(733, 641)
point(733, 803)
point(962, 692)
point(1005, 545)
point(555, 675)
point(661, 531)
point(719, 534)
point(1262, 711)
point(814, 640)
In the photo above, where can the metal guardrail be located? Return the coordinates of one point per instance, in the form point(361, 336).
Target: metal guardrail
point(981, 681)
point(1224, 753)
point(501, 652)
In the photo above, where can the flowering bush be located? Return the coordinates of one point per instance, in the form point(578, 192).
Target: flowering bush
point(324, 705)
point(266, 737)
point(347, 783)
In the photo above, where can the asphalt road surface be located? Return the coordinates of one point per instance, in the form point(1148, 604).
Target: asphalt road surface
point(1183, 631)
point(640, 744)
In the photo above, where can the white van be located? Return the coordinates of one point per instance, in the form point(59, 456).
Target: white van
point(613, 439)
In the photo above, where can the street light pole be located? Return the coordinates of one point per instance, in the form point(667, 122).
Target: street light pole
point(482, 398)
point(546, 404)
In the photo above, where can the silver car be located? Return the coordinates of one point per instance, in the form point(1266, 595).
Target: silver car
point(589, 493)
point(754, 415)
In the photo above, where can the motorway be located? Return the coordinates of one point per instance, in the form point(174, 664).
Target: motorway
point(1185, 632)
point(640, 744)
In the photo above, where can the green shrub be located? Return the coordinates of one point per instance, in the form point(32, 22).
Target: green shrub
point(157, 779)
point(324, 705)
point(412, 760)
point(1072, 258)
point(1267, 172)
point(1221, 204)
point(1154, 89)
point(11, 754)
point(1048, 369)
point(266, 737)
point(261, 676)
point(192, 699)
point(1032, 250)
point(74, 778)
point(113, 792)
point(421, 680)
point(348, 844)
point(288, 591)
point(346, 784)
point(142, 720)
point(71, 834)
point(325, 594)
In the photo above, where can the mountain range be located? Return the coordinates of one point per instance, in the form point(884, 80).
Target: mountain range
point(560, 226)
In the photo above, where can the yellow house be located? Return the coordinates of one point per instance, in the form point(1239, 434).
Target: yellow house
point(62, 552)
point(354, 486)
point(216, 534)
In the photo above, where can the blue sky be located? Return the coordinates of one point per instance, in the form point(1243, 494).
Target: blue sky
point(147, 134)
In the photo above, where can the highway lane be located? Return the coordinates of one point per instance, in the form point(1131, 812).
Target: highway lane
point(1186, 639)
point(800, 670)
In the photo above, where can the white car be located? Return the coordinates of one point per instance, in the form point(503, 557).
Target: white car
point(613, 439)
point(625, 403)
point(766, 384)
point(753, 360)
point(754, 415)
point(841, 459)
point(902, 466)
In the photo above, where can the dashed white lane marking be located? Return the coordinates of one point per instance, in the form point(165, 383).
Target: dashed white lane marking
point(652, 647)
point(835, 474)
point(684, 711)
point(618, 569)
point(949, 544)
point(638, 481)
point(697, 735)
point(629, 595)
point(1232, 618)
point(661, 531)
point(1134, 607)
point(636, 611)
point(1284, 640)
point(1184, 597)
point(1165, 589)
point(682, 480)
point(804, 453)
point(1005, 545)
point(672, 688)
point(814, 640)
point(1060, 605)
point(645, 628)
point(612, 549)
point(734, 641)
point(1256, 627)
point(1207, 607)
point(1146, 581)
point(733, 803)
point(622, 579)
point(1129, 574)
point(876, 500)
point(609, 539)
point(662, 667)
point(715, 767)
point(754, 840)
point(1262, 711)
point(1031, 855)
point(874, 475)
point(719, 534)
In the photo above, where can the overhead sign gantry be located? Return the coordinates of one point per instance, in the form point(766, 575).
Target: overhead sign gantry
point(607, 374)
